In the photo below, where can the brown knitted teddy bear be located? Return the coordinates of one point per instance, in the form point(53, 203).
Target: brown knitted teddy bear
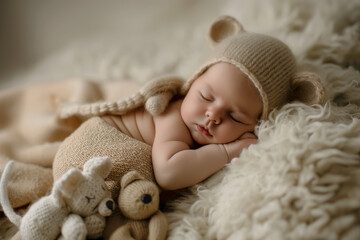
point(139, 216)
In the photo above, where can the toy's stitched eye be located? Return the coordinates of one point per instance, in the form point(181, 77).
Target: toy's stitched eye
point(89, 198)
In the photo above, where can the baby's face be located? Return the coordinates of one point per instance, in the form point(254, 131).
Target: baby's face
point(221, 105)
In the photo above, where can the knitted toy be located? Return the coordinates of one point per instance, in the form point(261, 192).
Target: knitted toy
point(140, 218)
point(76, 207)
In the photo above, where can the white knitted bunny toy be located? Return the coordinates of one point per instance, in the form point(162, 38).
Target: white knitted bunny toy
point(76, 207)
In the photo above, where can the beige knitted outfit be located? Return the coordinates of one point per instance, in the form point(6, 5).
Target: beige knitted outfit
point(267, 62)
point(95, 137)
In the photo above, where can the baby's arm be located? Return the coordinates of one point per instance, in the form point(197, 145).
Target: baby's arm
point(175, 164)
point(234, 148)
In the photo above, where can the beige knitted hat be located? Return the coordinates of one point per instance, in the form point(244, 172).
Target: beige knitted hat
point(268, 63)
point(154, 96)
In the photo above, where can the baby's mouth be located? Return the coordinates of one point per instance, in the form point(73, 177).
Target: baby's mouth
point(204, 130)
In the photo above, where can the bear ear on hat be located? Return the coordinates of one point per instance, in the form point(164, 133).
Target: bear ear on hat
point(307, 88)
point(222, 28)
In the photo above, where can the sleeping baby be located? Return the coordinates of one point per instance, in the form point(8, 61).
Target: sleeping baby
point(213, 117)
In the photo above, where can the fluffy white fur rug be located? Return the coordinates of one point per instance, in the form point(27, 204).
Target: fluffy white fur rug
point(302, 181)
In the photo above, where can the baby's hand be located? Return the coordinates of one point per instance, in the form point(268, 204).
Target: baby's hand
point(233, 149)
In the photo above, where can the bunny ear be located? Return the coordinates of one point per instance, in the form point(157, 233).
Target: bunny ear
point(307, 88)
point(222, 28)
point(98, 166)
point(67, 184)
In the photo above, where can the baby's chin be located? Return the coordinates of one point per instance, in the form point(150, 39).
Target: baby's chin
point(199, 139)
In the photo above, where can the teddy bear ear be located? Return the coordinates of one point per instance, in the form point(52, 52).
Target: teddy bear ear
point(98, 166)
point(129, 178)
point(68, 183)
point(222, 28)
point(307, 88)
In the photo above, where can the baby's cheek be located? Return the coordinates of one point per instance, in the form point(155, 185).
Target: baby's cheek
point(229, 133)
point(188, 113)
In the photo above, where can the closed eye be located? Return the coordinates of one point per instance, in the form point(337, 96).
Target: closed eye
point(205, 97)
point(89, 198)
point(235, 119)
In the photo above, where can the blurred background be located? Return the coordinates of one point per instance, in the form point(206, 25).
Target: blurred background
point(36, 32)
point(114, 40)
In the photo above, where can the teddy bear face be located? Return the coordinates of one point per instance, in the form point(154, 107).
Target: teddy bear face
point(139, 200)
point(88, 195)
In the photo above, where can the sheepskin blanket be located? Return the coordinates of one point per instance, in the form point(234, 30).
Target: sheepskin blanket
point(301, 181)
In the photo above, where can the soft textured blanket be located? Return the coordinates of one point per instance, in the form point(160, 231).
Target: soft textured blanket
point(31, 130)
point(301, 181)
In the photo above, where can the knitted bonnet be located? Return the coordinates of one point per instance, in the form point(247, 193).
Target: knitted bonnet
point(267, 62)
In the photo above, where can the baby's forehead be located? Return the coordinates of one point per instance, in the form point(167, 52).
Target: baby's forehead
point(218, 73)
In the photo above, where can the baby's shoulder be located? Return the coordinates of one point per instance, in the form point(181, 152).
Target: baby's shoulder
point(176, 105)
point(169, 125)
point(173, 109)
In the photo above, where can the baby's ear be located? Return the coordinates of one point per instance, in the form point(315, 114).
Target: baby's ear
point(307, 88)
point(224, 27)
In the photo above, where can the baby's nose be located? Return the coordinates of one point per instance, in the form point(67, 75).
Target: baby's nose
point(213, 116)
